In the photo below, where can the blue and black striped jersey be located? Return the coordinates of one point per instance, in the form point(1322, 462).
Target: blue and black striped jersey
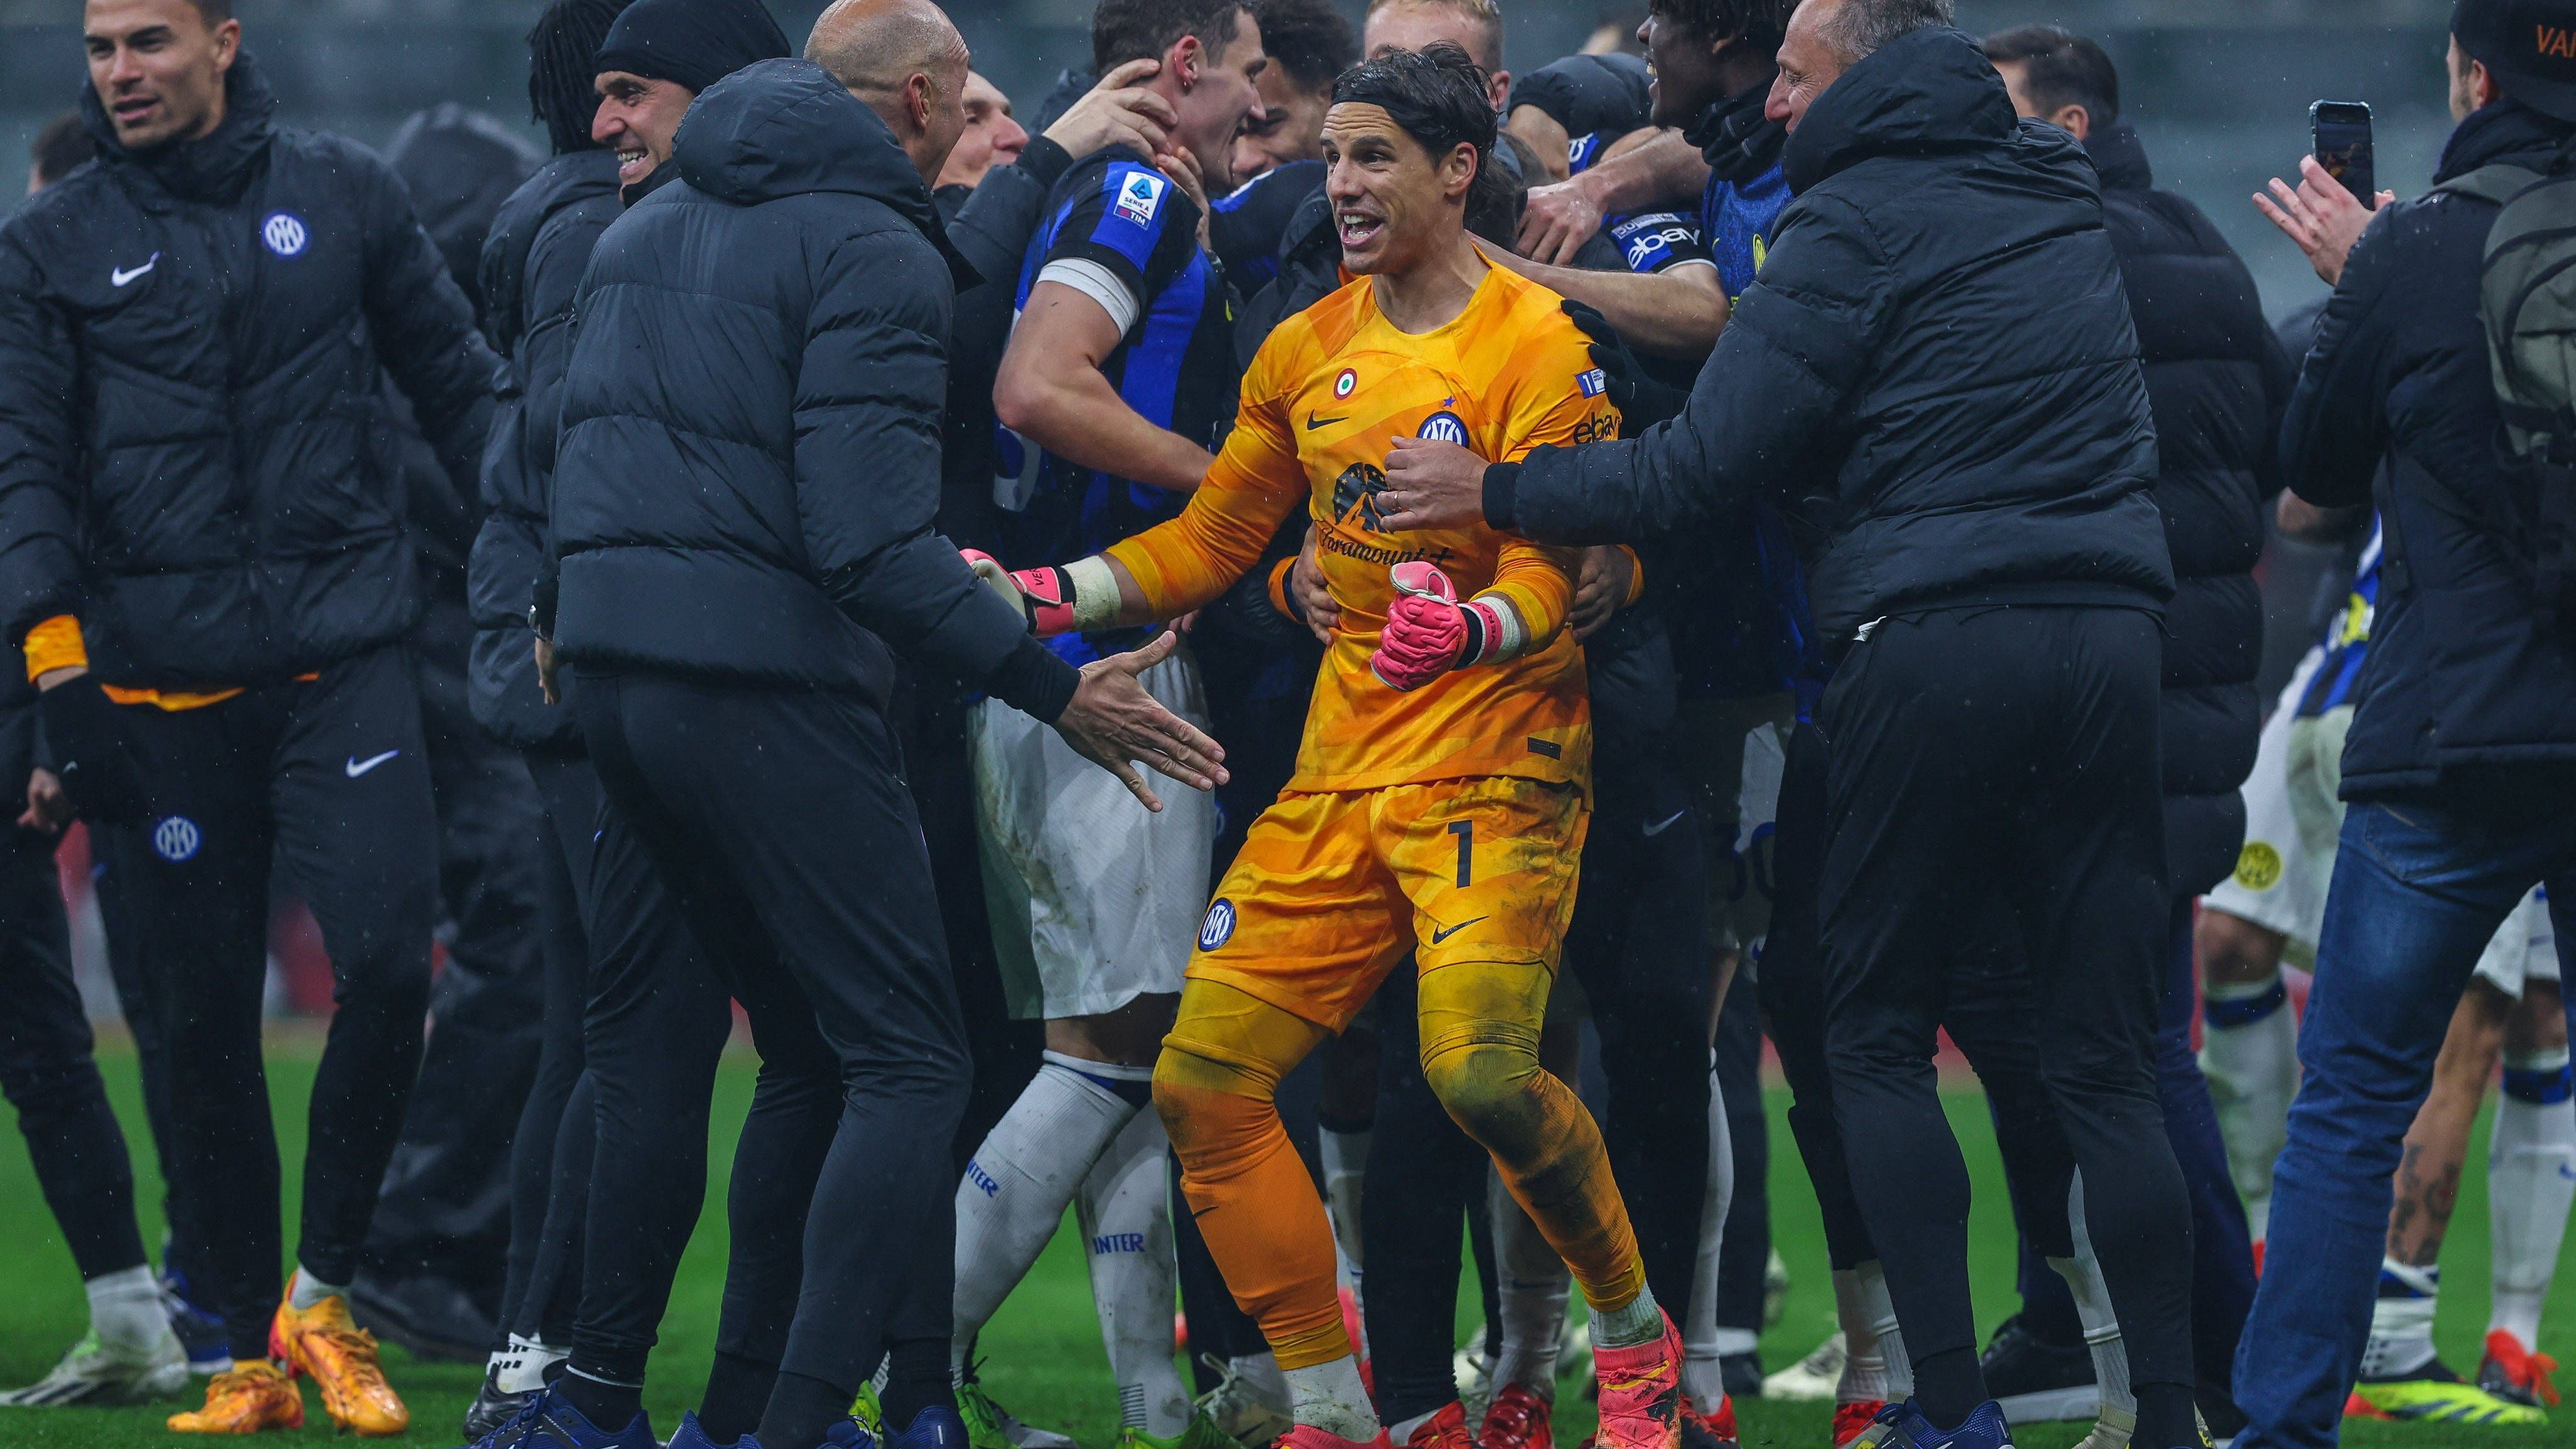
point(2347, 639)
point(1126, 235)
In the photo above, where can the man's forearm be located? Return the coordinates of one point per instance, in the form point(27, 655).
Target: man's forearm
point(1664, 169)
point(1082, 419)
point(1677, 313)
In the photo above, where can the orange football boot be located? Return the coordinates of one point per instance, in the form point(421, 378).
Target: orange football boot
point(250, 1396)
point(1641, 1392)
point(341, 1357)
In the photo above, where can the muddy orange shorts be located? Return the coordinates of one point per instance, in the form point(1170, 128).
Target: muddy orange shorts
point(1330, 890)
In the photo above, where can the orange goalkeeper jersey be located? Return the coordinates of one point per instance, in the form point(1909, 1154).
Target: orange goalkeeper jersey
point(1327, 394)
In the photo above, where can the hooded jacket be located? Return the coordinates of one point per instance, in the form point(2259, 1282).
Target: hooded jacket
point(1935, 373)
point(195, 454)
point(2459, 671)
point(749, 464)
point(531, 269)
point(2217, 380)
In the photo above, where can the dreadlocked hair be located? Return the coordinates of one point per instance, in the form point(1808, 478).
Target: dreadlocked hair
point(562, 48)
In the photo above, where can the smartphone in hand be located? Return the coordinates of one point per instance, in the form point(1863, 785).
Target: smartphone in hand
point(2342, 131)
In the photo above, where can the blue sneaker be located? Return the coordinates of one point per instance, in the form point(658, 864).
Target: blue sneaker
point(200, 1332)
point(693, 1435)
point(551, 1422)
point(935, 1427)
point(1903, 1426)
point(844, 1434)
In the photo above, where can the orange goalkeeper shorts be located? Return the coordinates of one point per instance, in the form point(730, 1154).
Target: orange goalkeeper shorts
point(1331, 889)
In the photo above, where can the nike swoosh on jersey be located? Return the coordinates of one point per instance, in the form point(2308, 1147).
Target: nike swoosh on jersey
point(1313, 422)
point(357, 767)
point(119, 276)
point(1443, 933)
point(1660, 826)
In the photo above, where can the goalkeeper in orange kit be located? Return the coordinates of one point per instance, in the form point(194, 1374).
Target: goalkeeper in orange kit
point(1440, 798)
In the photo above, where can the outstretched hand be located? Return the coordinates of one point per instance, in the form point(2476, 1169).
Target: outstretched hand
point(1113, 722)
point(1431, 485)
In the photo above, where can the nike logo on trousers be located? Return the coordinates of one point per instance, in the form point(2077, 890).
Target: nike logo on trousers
point(357, 767)
point(119, 276)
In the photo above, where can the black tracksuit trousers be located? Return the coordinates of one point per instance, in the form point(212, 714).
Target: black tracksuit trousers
point(781, 822)
point(329, 779)
point(550, 1153)
point(444, 1210)
point(1999, 767)
point(46, 1070)
point(1639, 943)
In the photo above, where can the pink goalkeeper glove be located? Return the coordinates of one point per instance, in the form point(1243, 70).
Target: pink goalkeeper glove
point(1428, 632)
point(1043, 596)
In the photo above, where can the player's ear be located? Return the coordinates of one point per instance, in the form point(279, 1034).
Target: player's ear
point(1183, 60)
point(1458, 170)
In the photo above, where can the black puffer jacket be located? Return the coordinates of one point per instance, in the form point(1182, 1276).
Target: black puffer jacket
point(193, 453)
point(1935, 372)
point(748, 465)
point(2459, 671)
point(532, 265)
point(2217, 380)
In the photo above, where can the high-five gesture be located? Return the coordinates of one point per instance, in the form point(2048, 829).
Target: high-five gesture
point(1113, 723)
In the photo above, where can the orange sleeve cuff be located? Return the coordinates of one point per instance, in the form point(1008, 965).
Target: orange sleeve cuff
point(1279, 586)
point(1636, 577)
point(55, 644)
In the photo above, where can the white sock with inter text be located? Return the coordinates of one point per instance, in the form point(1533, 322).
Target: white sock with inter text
point(1027, 1169)
point(1125, 1212)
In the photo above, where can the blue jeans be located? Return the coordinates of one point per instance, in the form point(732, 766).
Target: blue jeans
point(2420, 884)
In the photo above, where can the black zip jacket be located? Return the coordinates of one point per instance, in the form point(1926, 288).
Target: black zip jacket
point(1935, 373)
point(749, 462)
point(2459, 671)
point(193, 444)
point(2217, 380)
point(532, 264)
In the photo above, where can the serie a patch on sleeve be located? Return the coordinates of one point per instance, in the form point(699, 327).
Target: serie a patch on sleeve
point(1592, 382)
point(1140, 198)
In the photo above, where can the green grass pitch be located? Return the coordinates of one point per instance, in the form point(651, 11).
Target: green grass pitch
point(1043, 1355)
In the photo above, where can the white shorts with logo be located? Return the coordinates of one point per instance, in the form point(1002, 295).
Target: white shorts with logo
point(1094, 899)
point(2293, 817)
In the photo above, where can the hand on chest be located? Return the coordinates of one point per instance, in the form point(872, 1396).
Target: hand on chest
point(1350, 413)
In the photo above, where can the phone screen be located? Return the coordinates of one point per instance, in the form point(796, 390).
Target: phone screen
point(2343, 145)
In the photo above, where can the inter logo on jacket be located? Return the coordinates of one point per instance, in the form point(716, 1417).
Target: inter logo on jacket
point(284, 233)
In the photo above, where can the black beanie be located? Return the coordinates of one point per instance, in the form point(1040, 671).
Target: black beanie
point(693, 43)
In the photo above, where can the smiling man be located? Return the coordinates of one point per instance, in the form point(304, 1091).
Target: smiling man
point(659, 54)
point(1441, 794)
point(204, 553)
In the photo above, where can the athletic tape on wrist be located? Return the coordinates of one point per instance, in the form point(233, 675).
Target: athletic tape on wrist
point(1494, 630)
point(1095, 593)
